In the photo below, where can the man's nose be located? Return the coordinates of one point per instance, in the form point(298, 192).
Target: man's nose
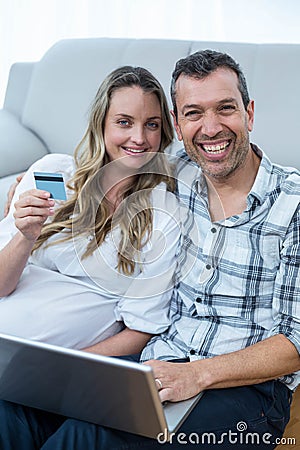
point(210, 124)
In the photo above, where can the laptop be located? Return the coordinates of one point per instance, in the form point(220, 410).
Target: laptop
point(103, 390)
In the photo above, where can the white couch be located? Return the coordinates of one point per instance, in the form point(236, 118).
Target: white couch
point(47, 102)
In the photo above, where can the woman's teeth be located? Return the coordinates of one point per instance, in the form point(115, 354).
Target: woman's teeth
point(215, 149)
point(134, 150)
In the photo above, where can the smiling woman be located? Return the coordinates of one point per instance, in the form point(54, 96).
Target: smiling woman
point(133, 127)
point(107, 254)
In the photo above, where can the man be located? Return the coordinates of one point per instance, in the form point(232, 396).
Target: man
point(235, 313)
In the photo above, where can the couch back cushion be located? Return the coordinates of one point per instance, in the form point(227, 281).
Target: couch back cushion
point(271, 72)
point(66, 80)
point(64, 83)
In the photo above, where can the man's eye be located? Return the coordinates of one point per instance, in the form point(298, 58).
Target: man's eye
point(193, 115)
point(227, 108)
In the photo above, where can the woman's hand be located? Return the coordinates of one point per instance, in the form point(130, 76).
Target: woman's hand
point(31, 211)
point(11, 192)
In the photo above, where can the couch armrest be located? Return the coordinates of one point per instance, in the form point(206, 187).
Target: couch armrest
point(19, 147)
point(17, 87)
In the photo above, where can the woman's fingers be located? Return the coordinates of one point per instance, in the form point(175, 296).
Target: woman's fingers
point(33, 202)
point(35, 193)
point(31, 211)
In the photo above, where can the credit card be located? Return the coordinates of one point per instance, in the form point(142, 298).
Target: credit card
point(51, 182)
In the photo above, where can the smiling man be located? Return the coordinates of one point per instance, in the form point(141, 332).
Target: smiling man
point(213, 116)
point(236, 313)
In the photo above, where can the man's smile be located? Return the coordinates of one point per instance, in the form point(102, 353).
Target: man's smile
point(215, 148)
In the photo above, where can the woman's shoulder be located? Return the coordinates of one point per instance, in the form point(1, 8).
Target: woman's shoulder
point(56, 162)
point(161, 190)
point(162, 198)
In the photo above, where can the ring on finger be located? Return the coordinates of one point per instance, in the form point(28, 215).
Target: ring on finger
point(159, 383)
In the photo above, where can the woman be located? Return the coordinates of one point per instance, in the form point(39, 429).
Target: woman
point(98, 268)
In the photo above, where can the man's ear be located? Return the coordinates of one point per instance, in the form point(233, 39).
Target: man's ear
point(176, 126)
point(250, 113)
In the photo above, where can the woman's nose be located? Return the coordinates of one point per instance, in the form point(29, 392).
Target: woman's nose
point(138, 135)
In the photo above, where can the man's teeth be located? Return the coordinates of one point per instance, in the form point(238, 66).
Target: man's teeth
point(134, 150)
point(215, 148)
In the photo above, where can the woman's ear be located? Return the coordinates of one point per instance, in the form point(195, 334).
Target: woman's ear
point(176, 126)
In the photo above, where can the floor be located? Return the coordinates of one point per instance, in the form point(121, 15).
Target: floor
point(293, 428)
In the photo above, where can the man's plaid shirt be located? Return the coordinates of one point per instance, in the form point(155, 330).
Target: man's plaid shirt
point(238, 280)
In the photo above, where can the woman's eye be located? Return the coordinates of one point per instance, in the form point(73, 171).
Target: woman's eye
point(152, 125)
point(123, 122)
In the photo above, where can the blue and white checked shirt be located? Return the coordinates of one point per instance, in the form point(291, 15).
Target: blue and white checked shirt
point(239, 278)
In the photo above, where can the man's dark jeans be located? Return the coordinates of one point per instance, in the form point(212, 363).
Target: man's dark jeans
point(234, 418)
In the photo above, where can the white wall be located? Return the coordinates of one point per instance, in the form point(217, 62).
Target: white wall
point(29, 27)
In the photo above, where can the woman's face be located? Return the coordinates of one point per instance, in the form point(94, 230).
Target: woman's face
point(133, 123)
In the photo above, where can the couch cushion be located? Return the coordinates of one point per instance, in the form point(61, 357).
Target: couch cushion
point(17, 87)
point(277, 99)
point(19, 147)
point(66, 79)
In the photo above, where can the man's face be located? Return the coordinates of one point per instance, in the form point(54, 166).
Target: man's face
point(213, 123)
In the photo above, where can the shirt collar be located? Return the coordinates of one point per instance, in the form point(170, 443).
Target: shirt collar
point(261, 185)
point(262, 182)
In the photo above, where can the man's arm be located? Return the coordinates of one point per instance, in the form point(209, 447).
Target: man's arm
point(269, 359)
point(11, 192)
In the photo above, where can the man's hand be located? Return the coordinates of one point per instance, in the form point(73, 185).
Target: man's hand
point(266, 360)
point(178, 381)
point(11, 192)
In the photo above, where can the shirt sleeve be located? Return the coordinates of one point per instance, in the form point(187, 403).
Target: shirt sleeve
point(145, 305)
point(286, 301)
point(58, 163)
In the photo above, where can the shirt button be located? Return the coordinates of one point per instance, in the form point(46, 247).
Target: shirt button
point(198, 299)
point(213, 230)
point(208, 266)
point(192, 352)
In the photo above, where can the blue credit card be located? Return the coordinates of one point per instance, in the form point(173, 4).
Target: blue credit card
point(51, 182)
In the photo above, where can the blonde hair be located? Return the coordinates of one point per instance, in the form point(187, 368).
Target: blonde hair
point(87, 211)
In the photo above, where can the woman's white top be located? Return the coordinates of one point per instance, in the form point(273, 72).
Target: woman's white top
point(66, 300)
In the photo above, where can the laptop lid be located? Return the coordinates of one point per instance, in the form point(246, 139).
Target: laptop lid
point(99, 389)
